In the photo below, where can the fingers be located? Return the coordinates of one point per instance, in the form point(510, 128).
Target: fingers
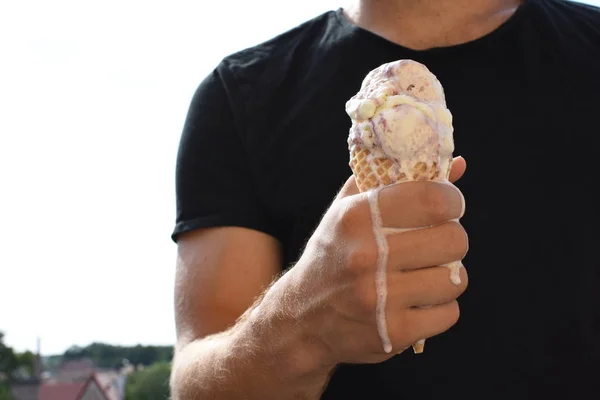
point(424, 287)
point(459, 165)
point(430, 198)
point(421, 248)
point(420, 204)
point(422, 323)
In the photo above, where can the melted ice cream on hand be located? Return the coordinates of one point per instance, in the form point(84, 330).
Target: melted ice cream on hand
point(400, 114)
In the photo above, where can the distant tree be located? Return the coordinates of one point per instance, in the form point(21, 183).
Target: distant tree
point(75, 352)
point(8, 364)
point(5, 392)
point(109, 356)
point(8, 359)
point(26, 361)
point(150, 383)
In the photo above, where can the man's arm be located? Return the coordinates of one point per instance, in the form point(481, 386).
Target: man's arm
point(220, 274)
point(320, 313)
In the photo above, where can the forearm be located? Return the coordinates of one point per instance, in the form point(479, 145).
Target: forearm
point(250, 361)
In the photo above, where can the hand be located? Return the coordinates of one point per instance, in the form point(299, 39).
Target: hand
point(331, 293)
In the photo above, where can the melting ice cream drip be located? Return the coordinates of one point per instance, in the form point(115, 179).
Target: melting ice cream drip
point(381, 271)
point(380, 232)
point(454, 268)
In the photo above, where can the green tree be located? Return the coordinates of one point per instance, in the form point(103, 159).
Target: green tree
point(5, 392)
point(109, 356)
point(8, 359)
point(150, 383)
point(75, 352)
point(8, 364)
point(26, 361)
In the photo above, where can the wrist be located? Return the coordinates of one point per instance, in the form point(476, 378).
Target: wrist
point(287, 345)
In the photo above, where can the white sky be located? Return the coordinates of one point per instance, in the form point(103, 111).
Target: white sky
point(93, 96)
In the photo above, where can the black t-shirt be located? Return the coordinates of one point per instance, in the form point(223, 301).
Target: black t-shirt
point(264, 147)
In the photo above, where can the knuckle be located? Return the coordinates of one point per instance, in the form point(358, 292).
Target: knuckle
point(464, 280)
point(453, 313)
point(365, 296)
point(361, 258)
point(433, 201)
point(400, 330)
point(459, 290)
point(351, 216)
point(458, 240)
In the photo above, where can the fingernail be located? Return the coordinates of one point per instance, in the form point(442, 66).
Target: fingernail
point(464, 204)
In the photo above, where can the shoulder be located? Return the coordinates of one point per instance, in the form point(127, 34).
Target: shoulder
point(277, 73)
point(266, 61)
point(570, 30)
point(572, 14)
point(575, 9)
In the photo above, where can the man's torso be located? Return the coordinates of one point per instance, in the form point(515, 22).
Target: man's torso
point(526, 106)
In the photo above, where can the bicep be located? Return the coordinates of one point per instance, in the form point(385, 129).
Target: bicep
point(220, 273)
point(227, 251)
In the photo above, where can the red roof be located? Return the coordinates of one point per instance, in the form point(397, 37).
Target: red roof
point(68, 390)
point(62, 391)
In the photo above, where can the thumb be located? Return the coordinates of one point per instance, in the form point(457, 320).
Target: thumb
point(459, 165)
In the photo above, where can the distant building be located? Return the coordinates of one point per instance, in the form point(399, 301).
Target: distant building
point(26, 389)
point(89, 389)
point(113, 384)
point(73, 380)
point(75, 370)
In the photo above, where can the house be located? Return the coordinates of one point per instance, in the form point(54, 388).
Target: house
point(26, 389)
point(74, 380)
point(113, 383)
point(96, 386)
point(27, 386)
point(89, 389)
point(75, 370)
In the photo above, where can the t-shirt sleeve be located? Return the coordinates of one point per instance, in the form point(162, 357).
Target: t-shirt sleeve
point(214, 182)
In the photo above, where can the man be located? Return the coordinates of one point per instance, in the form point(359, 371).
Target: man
point(262, 159)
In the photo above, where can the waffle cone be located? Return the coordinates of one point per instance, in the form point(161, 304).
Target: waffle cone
point(372, 172)
point(418, 347)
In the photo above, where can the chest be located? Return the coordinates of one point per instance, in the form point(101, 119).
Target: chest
point(530, 141)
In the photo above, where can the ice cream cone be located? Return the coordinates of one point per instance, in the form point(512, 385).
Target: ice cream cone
point(401, 130)
point(372, 172)
point(419, 347)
